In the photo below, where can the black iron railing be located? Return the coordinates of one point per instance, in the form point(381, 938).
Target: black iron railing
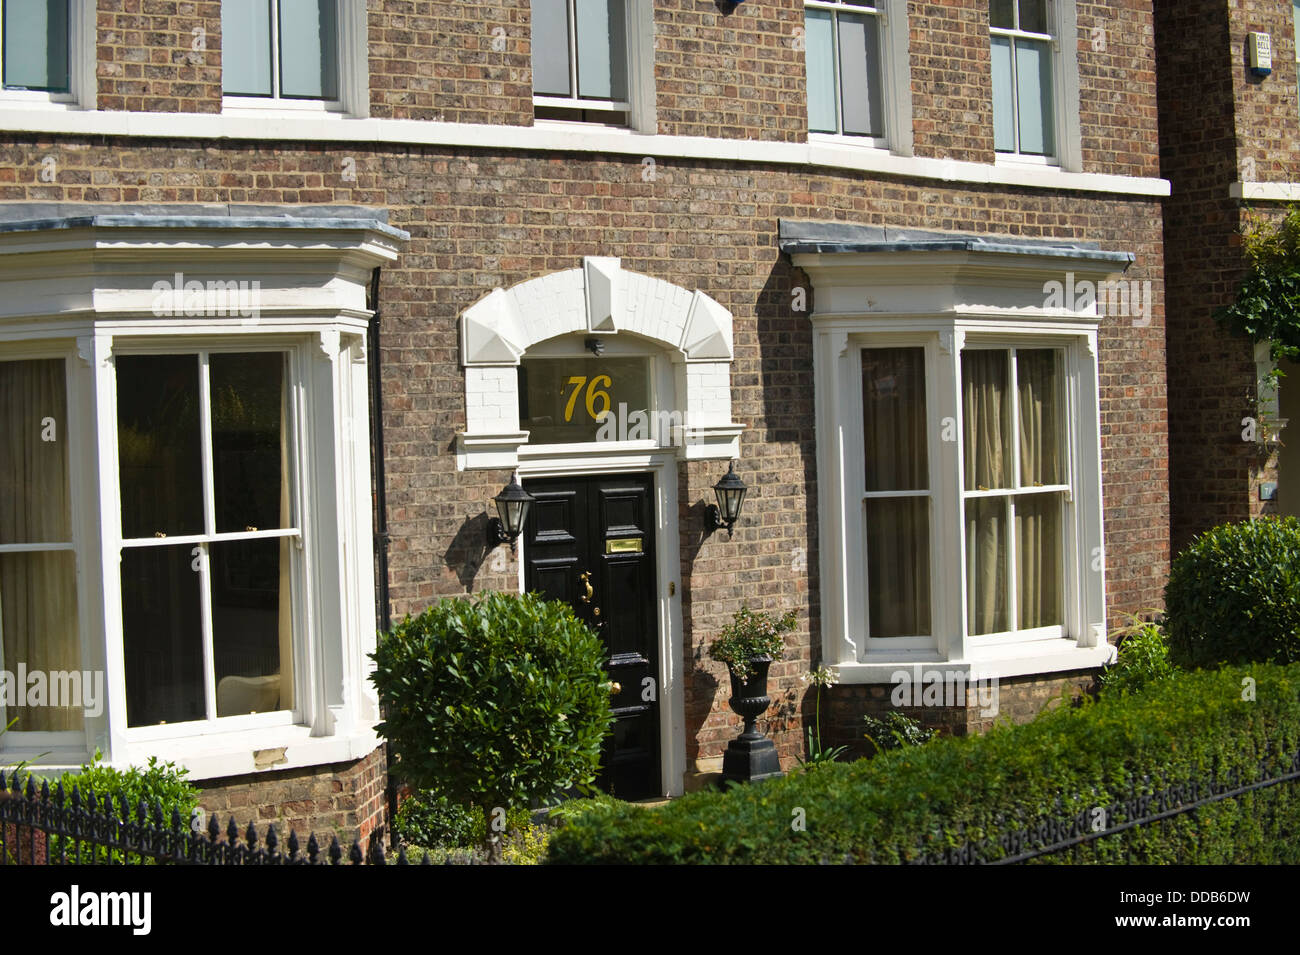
point(45, 826)
point(1062, 832)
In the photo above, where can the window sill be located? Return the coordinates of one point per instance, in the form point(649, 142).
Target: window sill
point(871, 143)
point(1015, 160)
point(283, 108)
point(10, 99)
point(1006, 660)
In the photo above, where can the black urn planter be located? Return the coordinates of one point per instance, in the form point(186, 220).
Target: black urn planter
point(751, 755)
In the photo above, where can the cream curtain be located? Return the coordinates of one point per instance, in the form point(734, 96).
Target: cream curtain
point(38, 590)
point(1038, 516)
point(986, 402)
point(987, 465)
point(898, 528)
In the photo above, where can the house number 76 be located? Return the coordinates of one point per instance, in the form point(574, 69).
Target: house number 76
point(594, 393)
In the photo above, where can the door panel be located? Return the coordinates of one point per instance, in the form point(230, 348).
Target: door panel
point(603, 528)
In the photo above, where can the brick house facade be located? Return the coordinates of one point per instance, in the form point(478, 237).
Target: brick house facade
point(1228, 141)
point(759, 249)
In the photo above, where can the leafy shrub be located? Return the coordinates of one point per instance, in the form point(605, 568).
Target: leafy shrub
point(428, 819)
point(751, 633)
point(1143, 658)
point(895, 730)
point(1234, 595)
point(495, 701)
point(162, 787)
point(916, 802)
point(525, 845)
point(1267, 304)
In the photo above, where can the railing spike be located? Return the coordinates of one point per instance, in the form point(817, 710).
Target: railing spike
point(250, 836)
point(232, 832)
point(335, 852)
point(313, 848)
point(293, 845)
point(214, 828)
point(355, 855)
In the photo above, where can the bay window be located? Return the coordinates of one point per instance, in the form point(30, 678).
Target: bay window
point(959, 467)
point(184, 505)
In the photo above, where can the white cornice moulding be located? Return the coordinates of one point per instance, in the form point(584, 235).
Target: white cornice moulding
point(1265, 191)
point(543, 138)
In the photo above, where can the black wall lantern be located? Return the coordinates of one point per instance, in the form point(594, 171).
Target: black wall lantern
point(730, 492)
point(512, 510)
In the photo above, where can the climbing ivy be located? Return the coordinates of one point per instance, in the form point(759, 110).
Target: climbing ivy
point(1267, 305)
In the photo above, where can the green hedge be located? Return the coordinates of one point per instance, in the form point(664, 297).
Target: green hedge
point(907, 802)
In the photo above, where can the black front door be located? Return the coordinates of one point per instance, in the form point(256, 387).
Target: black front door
point(589, 541)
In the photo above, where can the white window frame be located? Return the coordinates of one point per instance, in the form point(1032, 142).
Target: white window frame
point(353, 79)
point(299, 555)
point(82, 80)
point(896, 88)
point(639, 107)
point(1063, 27)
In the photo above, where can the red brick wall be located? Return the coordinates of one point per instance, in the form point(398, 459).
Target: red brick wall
point(452, 62)
point(738, 74)
point(1018, 700)
point(345, 799)
point(147, 56)
point(1220, 125)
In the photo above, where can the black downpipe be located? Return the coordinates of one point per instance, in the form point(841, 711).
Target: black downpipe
point(383, 615)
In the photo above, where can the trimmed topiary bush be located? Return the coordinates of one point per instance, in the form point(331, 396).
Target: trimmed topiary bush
point(495, 702)
point(1070, 763)
point(1234, 595)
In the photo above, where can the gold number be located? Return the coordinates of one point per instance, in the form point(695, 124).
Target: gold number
point(577, 381)
point(593, 393)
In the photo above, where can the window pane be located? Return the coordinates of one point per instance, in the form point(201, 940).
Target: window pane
point(251, 626)
point(898, 566)
point(35, 51)
point(820, 57)
point(38, 627)
point(246, 47)
point(860, 75)
point(309, 47)
point(1002, 13)
point(986, 565)
point(1038, 379)
point(162, 633)
point(551, 48)
point(986, 424)
point(1033, 16)
point(561, 400)
point(602, 49)
point(34, 502)
point(1038, 560)
point(160, 467)
point(893, 418)
point(1034, 96)
point(1004, 100)
point(249, 456)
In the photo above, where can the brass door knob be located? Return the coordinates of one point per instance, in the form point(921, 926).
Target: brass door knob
point(615, 689)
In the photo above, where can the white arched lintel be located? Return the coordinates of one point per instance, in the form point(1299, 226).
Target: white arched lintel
point(694, 330)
